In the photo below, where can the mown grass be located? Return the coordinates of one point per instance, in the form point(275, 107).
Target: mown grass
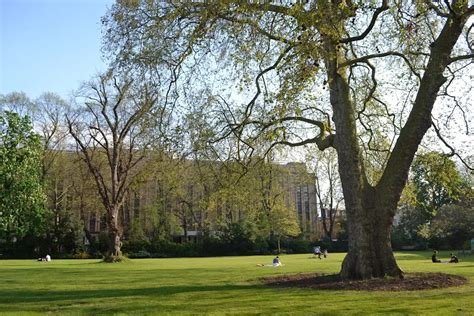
point(225, 285)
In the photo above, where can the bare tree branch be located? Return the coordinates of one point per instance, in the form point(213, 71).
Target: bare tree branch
point(377, 12)
point(451, 148)
point(380, 55)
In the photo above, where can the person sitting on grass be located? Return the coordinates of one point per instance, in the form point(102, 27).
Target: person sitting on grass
point(275, 263)
point(453, 259)
point(434, 257)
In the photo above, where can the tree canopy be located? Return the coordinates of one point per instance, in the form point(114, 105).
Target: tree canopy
point(22, 201)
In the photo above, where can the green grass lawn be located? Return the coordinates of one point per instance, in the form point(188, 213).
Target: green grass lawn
point(225, 285)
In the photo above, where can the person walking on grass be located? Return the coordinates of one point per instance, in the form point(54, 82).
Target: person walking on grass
point(317, 251)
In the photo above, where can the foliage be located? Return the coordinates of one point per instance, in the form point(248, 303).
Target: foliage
point(453, 225)
point(437, 182)
point(437, 186)
point(81, 255)
point(22, 199)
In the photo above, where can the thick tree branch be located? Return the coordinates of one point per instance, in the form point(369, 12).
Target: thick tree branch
point(321, 142)
point(419, 120)
point(462, 57)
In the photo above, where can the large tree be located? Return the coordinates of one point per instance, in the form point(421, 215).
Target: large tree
point(110, 131)
point(380, 65)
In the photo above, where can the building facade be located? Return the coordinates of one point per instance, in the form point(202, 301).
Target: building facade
point(185, 201)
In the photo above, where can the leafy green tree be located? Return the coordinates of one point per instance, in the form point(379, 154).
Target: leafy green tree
point(22, 200)
point(47, 115)
point(283, 222)
point(321, 72)
point(277, 210)
point(437, 182)
point(436, 187)
point(453, 225)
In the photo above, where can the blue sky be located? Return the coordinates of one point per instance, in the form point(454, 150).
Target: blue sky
point(49, 45)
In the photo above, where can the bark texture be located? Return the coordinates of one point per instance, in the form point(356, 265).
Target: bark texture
point(370, 253)
point(114, 253)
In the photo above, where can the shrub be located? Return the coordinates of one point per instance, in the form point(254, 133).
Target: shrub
point(298, 246)
point(81, 255)
point(139, 255)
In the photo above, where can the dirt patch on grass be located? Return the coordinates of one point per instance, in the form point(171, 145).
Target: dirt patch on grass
point(412, 282)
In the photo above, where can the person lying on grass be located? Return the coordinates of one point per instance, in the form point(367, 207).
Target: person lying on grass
point(276, 263)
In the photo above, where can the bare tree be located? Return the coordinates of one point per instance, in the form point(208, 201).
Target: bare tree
point(48, 117)
point(328, 190)
point(110, 132)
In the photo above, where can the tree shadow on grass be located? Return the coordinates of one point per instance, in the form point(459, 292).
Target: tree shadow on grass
point(464, 266)
point(413, 256)
point(14, 297)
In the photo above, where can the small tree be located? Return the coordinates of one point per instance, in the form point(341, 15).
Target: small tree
point(111, 136)
point(280, 214)
point(328, 190)
point(283, 222)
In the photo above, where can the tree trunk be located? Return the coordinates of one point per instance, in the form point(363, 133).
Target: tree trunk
point(369, 222)
point(369, 217)
point(114, 253)
point(370, 252)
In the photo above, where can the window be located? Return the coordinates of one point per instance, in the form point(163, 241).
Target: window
point(136, 206)
point(103, 223)
point(92, 223)
point(298, 201)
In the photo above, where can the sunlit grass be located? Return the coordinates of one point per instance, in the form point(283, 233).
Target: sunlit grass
point(215, 286)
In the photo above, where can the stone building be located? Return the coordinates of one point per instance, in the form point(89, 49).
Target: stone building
point(178, 196)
